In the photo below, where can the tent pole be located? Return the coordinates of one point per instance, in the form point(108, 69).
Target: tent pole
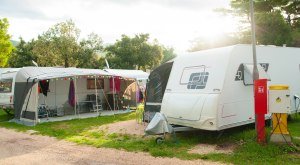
point(136, 93)
point(37, 104)
point(96, 93)
point(114, 99)
point(75, 91)
point(55, 94)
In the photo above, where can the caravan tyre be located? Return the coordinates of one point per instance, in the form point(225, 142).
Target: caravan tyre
point(159, 140)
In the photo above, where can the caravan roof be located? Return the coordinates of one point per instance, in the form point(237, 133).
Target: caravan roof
point(134, 74)
point(41, 73)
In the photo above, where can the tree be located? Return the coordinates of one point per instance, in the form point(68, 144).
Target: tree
point(202, 43)
point(134, 53)
point(46, 52)
point(90, 52)
point(276, 20)
point(23, 54)
point(58, 45)
point(272, 29)
point(168, 54)
point(6, 46)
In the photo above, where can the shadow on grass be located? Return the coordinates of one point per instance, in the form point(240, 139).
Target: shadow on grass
point(4, 116)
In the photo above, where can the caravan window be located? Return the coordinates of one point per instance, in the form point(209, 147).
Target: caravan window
point(6, 86)
point(99, 83)
point(248, 73)
point(245, 73)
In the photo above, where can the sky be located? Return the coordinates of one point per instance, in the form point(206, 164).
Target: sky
point(174, 23)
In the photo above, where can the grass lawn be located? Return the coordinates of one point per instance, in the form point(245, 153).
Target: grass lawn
point(247, 151)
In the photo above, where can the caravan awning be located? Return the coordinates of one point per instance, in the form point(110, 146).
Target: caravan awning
point(42, 73)
point(133, 74)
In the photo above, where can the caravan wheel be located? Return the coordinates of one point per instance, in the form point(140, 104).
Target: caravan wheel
point(159, 140)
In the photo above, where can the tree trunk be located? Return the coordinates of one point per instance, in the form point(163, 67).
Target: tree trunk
point(66, 63)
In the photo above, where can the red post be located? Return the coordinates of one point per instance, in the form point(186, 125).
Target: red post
point(260, 105)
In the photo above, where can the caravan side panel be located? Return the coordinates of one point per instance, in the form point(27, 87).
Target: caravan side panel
point(236, 103)
point(283, 67)
point(237, 99)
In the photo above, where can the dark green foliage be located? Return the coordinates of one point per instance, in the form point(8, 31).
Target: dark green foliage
point(59, 46)
point(90, 52)
point(134, 53)
point(271, 28)
point(168, 54)
point(23, 55)
point(6, 46)
point(277, 21)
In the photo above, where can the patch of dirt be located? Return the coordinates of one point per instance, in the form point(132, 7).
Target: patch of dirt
point(31, 132)
point(133, 128)
point(124, 127)
point(202, 149)
point(297, 137)
point(36, 149)
point(61, 126)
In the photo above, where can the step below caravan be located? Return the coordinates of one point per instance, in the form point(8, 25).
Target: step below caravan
point(213, 89)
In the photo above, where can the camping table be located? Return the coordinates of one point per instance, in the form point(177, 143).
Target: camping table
point(82, 103)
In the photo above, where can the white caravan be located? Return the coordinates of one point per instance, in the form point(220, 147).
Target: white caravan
point(7, 81)
point(213, 90)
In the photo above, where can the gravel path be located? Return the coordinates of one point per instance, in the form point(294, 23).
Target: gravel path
point(22, 148)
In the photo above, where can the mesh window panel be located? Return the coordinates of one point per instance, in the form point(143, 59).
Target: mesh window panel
point(156, 87)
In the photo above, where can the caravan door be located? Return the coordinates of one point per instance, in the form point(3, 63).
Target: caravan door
point(184, 106)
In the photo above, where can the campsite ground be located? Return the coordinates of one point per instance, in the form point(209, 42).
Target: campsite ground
point(235, 146)
point(22, 148)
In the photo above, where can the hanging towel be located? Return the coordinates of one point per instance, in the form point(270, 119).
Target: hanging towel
point(72, 94)
point(44, 87)
point(117, 81)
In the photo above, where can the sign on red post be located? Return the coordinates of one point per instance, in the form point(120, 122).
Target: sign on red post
point(261, 97)
point(260, 104)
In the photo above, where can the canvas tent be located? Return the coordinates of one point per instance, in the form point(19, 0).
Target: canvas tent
point(133, 74)
point(67, 89)
point(27, 85)
point(133, 84)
